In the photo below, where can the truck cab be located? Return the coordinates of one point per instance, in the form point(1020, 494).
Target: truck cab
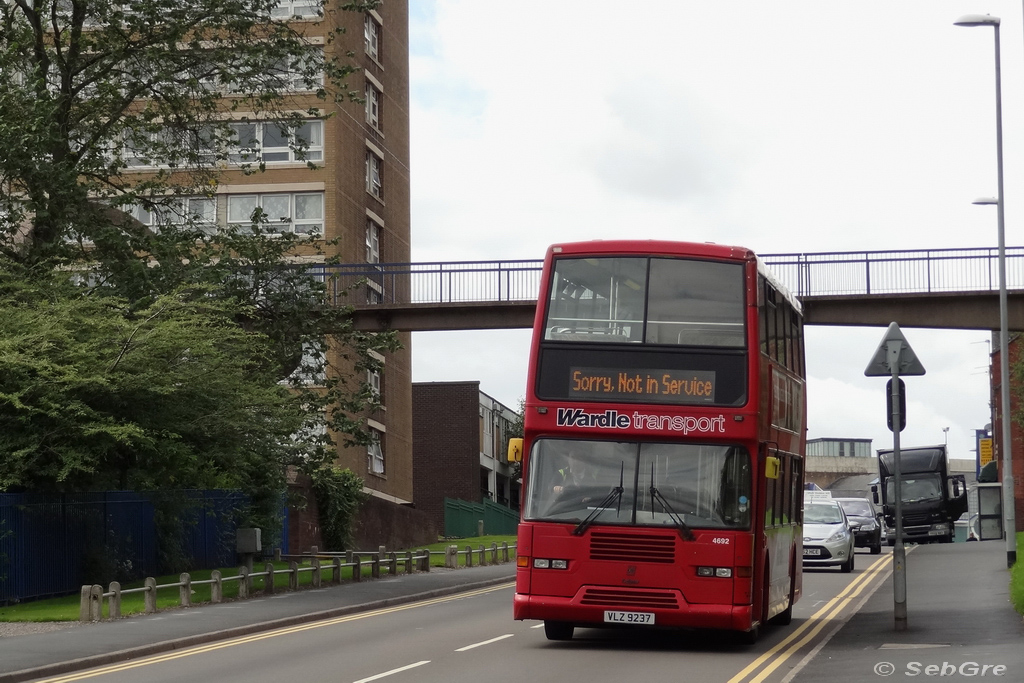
point(932, 499)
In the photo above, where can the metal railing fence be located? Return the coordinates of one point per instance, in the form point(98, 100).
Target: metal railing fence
point(425, 283)
point(804, 274)
point(920, 271)
point(323, 567)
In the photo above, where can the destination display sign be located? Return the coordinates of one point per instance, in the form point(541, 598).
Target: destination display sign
point(642, 385)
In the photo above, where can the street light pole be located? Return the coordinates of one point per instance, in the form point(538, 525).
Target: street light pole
point(1009, 502)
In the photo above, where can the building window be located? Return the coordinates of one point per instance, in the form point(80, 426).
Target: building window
point(312, 367)
point(373, 380)
point(273, 142)
point(372, 241)
point(374, 293)
point(371, 36)
point(373, 100)
point(375, 453)
point(289, 9)
point(169, 147)
point(374, 166)
point(199, 212)
point(301, 212)
point(295, 73)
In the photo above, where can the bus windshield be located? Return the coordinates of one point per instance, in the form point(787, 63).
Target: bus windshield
point(647, 300)
point(662, 484)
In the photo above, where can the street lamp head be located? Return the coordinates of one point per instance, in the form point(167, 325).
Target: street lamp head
point(985, 201)
point(977, 20)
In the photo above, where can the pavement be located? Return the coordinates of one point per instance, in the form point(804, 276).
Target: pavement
point(959, 620)
point(39, 655)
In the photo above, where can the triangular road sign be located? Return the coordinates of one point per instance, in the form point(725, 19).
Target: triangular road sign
point(894, 349)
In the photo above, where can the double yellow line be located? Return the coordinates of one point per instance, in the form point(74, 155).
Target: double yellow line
point(812, 627)
point(157, 659)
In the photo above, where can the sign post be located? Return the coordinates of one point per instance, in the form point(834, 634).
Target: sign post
point(893, 358)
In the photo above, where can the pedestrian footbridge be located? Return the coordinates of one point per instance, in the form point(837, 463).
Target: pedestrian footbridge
point(932, 288)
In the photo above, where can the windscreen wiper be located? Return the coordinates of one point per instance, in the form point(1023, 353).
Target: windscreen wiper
point(614, 495)
point(684, 530)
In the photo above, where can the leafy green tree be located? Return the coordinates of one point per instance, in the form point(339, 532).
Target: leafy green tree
point(339, 495)
point(159, 353)
point(97, 395)
point(95, 90)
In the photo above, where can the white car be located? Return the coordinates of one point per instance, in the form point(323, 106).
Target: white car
point(828, 536)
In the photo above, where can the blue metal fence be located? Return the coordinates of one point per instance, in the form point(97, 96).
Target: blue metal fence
point(52, 544)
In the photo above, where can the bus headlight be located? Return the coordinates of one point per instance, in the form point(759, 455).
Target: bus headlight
point(719, 572)
point(544, 563)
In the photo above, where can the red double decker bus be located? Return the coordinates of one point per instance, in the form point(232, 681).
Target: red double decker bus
point(663, 441)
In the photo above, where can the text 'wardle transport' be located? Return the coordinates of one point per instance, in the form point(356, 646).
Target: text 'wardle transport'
point(613, 419)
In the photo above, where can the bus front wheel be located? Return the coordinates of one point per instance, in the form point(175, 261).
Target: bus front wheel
point(558, 630)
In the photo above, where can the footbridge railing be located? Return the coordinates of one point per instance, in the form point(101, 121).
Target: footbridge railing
point(804, 274)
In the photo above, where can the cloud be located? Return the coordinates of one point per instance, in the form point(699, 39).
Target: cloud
point(791, 126)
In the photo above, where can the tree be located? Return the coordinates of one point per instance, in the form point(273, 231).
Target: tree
point(96, 395)
point(172, 354)
point(95, 91)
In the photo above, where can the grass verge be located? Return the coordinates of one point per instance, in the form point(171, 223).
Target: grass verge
point(66, 608)
point(1017, 577)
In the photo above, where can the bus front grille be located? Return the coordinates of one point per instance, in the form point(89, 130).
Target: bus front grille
point(629, 548)
point(629, 599)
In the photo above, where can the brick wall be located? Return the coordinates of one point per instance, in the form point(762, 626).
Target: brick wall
point(446, 445)
point(1016, 432)
point(378, 523)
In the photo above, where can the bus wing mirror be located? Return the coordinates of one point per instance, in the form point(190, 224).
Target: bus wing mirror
point(515, 450)
point(772, 467)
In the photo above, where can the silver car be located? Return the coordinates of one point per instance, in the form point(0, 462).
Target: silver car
point(828, 536)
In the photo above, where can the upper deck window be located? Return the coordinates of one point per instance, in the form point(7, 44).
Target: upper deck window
point(683, 302)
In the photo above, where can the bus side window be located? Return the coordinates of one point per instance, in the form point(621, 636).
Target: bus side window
point(785, 488)
point(734, 495)
point(770, 489)
point(796, 489)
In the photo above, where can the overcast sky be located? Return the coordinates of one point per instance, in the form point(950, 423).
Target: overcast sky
point(780, 126)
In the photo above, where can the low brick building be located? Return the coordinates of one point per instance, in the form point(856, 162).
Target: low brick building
point(460, 437)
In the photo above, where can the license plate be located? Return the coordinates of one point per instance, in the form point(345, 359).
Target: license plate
point(614, 617)
point(812, 552)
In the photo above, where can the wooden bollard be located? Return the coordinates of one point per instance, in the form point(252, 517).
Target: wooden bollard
point(243, 581)
point(268, 580)
point(185, 589)
point(84, 611)
point(96, 603)
point(150, 595)
point(217, 587)
point(114, 608)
